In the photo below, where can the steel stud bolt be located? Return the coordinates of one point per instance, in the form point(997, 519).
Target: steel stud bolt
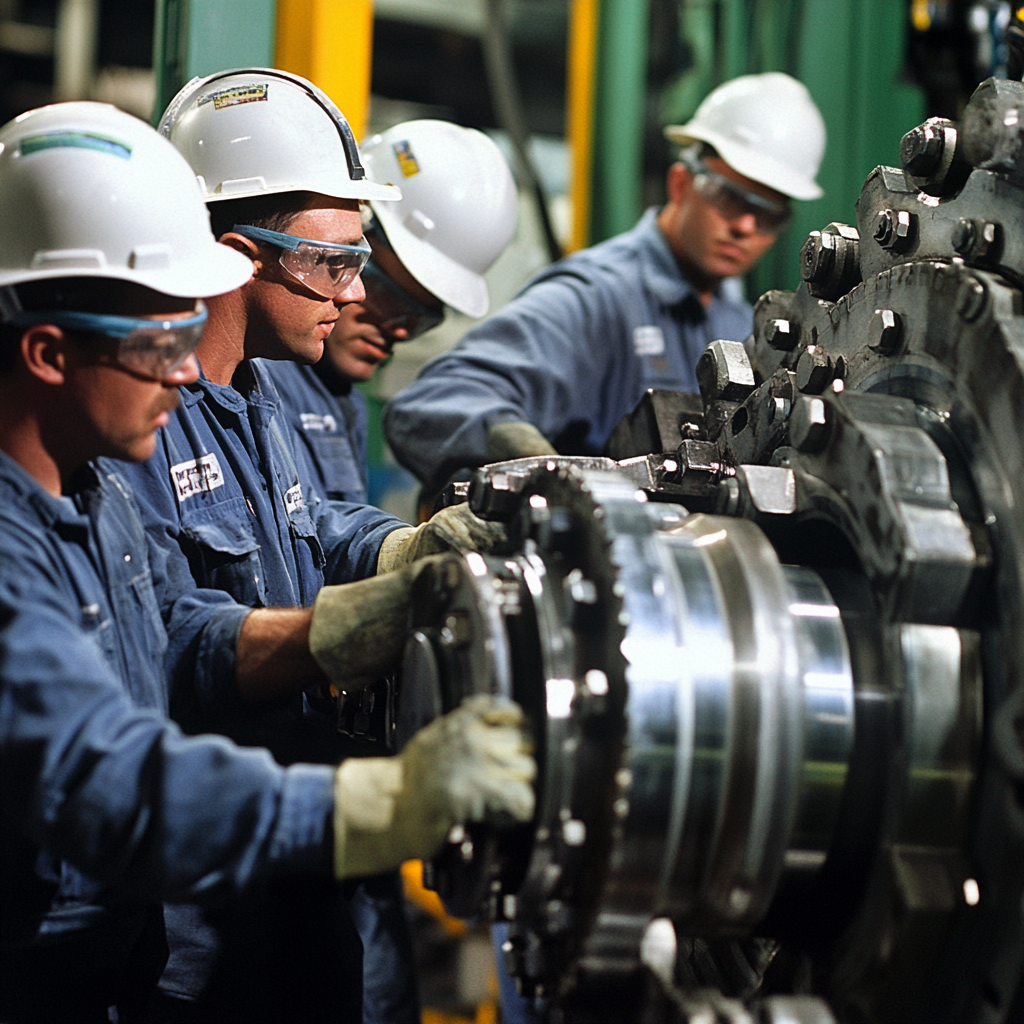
point(814, 370)
point(809, 424)
point(885, 331)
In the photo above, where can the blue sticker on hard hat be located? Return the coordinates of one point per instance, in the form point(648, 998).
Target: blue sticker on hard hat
point(255, 93)
point(403, 152)
point(74, 140)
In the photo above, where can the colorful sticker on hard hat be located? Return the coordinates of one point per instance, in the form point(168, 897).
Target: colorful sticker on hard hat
point(255, 93)
point(74, 140)
point(403, 151)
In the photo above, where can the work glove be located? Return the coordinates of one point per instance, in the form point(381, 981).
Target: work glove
point(358, 629)
point(473, 762)
point(452, 529)
point(516, 440)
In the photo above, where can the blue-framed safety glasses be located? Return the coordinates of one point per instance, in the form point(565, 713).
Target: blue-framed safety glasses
point(326, 268)
point(152, 348)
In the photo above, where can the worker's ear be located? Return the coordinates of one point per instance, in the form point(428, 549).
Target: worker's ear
point(246, 246)
point(678, 183)
point(43, 350)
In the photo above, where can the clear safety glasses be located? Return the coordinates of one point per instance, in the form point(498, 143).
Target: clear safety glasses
point(733, 201)
point(326, 268)
point(151, 348)
point(393, 308)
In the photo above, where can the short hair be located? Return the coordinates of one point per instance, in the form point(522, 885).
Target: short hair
point(75, 294)
point(273, 212)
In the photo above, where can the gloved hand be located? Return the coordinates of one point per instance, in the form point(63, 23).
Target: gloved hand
point(358, 629)
point(472, 761)
point(452, 529)
point(516, 440)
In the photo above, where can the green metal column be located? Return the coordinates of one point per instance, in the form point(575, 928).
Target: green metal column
point(198, 37)
point(850, 55)
point(620, 100)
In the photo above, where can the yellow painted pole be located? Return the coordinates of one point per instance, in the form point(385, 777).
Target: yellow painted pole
point(582, 81)
point(330, 42)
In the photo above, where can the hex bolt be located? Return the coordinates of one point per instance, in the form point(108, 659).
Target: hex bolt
point(921, 150)
point(781, 335)
point(883, 226)
point(970, 299)
point(963, 235)
point(814, 370)
point(724, 372)
point(817, 257)
point(892, 229)
point(885, 330)
point(809, 424)
point(977, 239)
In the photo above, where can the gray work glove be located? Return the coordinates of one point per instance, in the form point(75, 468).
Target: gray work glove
point(358, 629)
point(452, 529)
point(473, 761)
point(516, 440)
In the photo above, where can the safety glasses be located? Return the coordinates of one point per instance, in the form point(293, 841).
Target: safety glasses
point(150, 348)
point(393, 308)
point(733, 201)
point(326, 268)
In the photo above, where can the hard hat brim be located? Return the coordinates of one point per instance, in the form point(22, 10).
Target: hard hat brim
point(451, 282)
point(216, 270)
point(364, 191)
point(757, 168)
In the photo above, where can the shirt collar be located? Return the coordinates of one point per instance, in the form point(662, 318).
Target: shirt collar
point(18, 484)
point(263, 392)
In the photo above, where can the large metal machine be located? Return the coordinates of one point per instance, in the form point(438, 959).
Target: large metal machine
point(773, 648)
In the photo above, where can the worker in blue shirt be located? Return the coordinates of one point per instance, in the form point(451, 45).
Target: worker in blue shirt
point(558, 367)
point(107, 808)
point(429, 250)
point(228, 501)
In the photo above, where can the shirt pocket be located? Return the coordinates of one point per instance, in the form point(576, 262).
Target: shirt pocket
point(333, 456)
point(226, 554)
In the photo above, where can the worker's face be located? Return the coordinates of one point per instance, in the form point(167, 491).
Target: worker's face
point(363, 337)
point(705, 240)
point(117, 411)
point(286, 319)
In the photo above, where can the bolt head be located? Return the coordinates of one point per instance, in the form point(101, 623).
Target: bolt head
point(921, 150)
point(817, 257)
point(883, 226)
point(885, 330)
point(724, 372)
point(809, 424)
point(781, 335)
point(963, 235)
point(814, 370)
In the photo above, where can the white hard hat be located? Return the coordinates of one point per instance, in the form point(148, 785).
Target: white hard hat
point(764, 126)
point(87, 190)
point(458, 208)
point(256, 131)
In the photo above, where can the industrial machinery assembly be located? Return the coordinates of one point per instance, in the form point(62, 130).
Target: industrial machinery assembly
point(772, 647)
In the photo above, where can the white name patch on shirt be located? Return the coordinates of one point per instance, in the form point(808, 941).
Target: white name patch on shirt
point(648, 340)
point(293, 499)
point(313, 421)
point(196, 476)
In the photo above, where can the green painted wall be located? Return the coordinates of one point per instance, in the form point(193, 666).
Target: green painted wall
point(849, 54)
point(199, 37)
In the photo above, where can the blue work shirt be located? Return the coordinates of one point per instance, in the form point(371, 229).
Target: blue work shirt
point(106, 807)
point(328, 418)
point(228, 505)
point(572, 354)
